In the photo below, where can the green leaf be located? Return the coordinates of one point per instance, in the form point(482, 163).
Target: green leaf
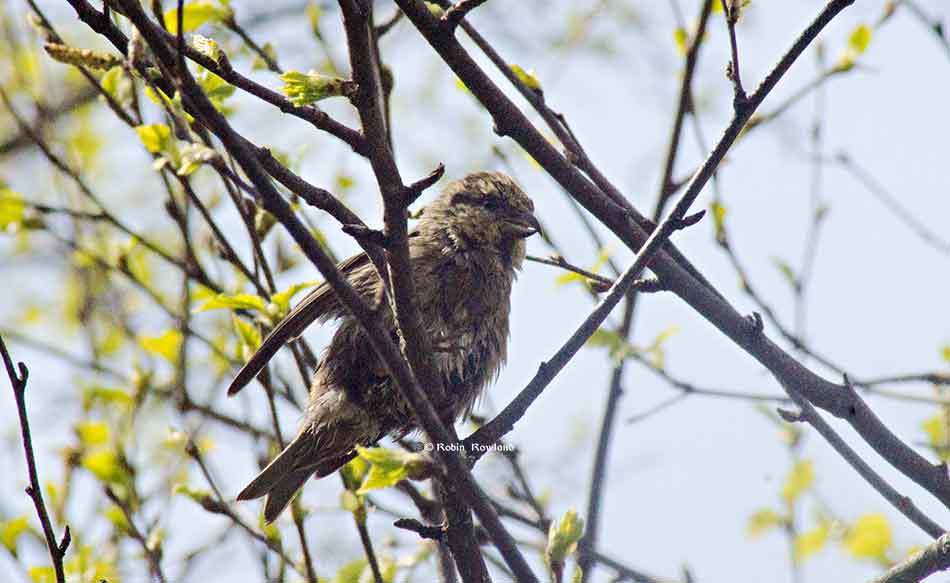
point(786, 271)
point(117, 85)
point(563, 536)
point(869, 537)
point(216, 88)
point(858, 42)
point(42, 575)
point(681, 38)
point(350, 572)
point(388, 467)
point(166, 345)
point(99, 395)
point(617, 347)
point(350, 501)
point(860, 39)
point(599, 263)
point(719, 218)
point(104, 465)
point(354, 472)
point(117, 518)
point(92, 433)
point(10, 531)
point(529, 78)
point(810, 542)
point(798, 481)
point(195, 14)
point(259, 63)
point(234, 302)
point(764, 520)
point(946, 353)
point(654, 352)
point(310, 87)
point(12, 208)
point(155, 137)
point(248, 333)
point(937, 435)
point(203, 498)
point(314, 14)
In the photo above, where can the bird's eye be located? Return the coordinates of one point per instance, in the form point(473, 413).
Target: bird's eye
point(492, 204)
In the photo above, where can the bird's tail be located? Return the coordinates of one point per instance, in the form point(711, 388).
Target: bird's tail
point(309, 454)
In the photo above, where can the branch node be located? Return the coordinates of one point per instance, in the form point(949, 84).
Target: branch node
point(755, 322)
point(650, 285)
point(454, 15)
point(499, 130)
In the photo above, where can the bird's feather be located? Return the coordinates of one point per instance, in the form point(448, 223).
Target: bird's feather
point(319, 303)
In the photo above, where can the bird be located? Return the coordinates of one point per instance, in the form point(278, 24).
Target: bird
point(465, 252)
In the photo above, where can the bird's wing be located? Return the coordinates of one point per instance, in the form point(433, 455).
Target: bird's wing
point(318, 303)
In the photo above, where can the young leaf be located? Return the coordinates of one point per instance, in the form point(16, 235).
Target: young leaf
point(937, 435)
point(529, 78)
point(869, 537)
point(763, 521)
point(860, 39)
point(10, 531)
point(92, 434)
point(249, 334)
point(388, 467)
point(197, 13)
point(798, 481)
point(306, 88)
point(12, 209)
point(234, 302)
point(563, 537)
point(681, 38)
point(104, 465)
point(810, 542)
point(155, 137)
point(166, 345)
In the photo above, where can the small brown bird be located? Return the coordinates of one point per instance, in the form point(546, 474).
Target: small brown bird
point(464, 251)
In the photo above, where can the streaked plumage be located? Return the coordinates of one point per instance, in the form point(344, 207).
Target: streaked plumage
point(464, 251)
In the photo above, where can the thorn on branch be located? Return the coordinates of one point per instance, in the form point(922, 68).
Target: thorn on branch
point(436, 532)
point(688, 221)
point(414, 190)
point(64, 543)
point(364, 234)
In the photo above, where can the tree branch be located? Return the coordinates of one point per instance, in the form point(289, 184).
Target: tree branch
point(35, 491)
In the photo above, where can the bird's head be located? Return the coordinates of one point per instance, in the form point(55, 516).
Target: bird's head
point(484, 210)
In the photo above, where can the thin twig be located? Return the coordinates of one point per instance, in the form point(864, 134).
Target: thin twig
point(18, 383)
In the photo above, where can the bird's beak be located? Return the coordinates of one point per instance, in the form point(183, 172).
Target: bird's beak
point(524, 224)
